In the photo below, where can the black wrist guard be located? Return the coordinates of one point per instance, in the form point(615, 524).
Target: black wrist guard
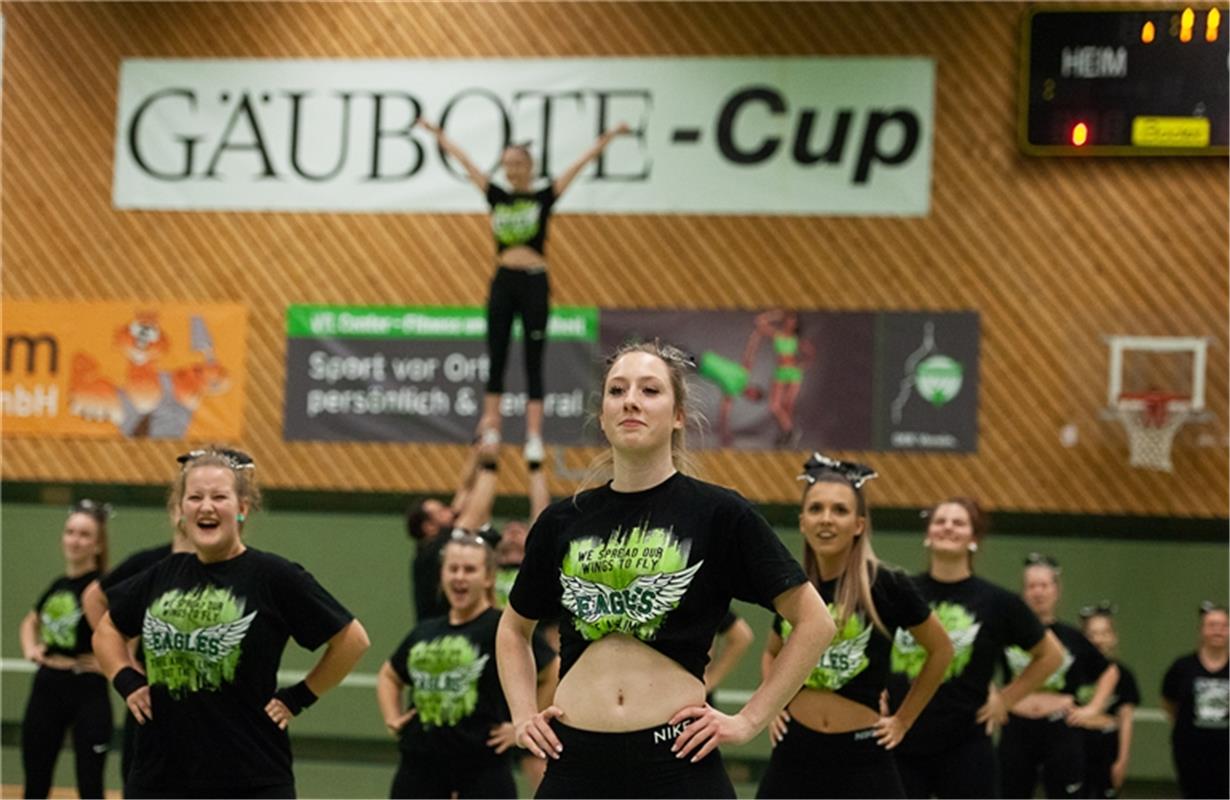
point(296, 698)
point(127, 681)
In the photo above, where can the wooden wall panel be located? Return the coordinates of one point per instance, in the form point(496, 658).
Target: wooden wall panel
point(1053, 253)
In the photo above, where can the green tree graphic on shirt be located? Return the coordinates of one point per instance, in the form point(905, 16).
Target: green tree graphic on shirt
point(193, 640)
point(516, 222)
point(844, 658)
point(1018, 659)
point(58, 620)
point(444, 673)
point(962, 628)
point(625, 584)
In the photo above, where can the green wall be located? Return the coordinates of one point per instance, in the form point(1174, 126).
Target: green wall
point(364, 560)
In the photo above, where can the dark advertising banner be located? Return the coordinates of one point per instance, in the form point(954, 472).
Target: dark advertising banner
point(927, 368)
point(417, 374)
point(794, 380)
point(771, 379)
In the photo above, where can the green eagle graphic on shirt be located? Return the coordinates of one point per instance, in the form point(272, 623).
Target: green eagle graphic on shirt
point(192, 640)
point(516, 222)
point(445, 673)
point(625, 584)
point(58, 620)
point(962, 628)
point(846, 655)
point(1019, 659)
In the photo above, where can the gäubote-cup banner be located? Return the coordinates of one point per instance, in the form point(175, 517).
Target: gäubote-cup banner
point(848, 136)
point(124, 370)
point(773, 378)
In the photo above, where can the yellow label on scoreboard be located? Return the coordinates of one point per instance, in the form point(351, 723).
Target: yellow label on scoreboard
point(1170, 131)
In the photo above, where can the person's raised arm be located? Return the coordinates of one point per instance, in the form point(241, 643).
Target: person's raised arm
point(480, 503)
point(540, 496)
point(1118, 770)
point(812, 629)
point(388, 697)
point(1045, 657)
point(115, 659)
point(566, 177)
point(32, 647)
point(890, 730)
point(477, 176)
point(733, 644)
point(1081, 715)
point(94, 603)
point(514, 654)
point(341, 654)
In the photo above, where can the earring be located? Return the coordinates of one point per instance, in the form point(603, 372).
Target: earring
point(926, 543)
point(973, 547)
point(240, 517)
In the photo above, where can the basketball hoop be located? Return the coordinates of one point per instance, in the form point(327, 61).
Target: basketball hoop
point(1151, 420)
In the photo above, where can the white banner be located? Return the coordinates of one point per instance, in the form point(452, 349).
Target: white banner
point(842, 136)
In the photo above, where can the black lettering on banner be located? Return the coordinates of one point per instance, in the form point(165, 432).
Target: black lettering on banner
point(242, 111)
point(31, 344)
point(296, 122)
point(870, 150)
point(189, 142)
point(832, 154)
point(726, 125)
point(504, 120)
point(379, 133)
point(544, 168)
point(637, 131)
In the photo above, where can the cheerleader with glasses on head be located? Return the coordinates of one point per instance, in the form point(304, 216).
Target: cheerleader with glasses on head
point(831, 741)
point(213, 624)
point(69, 690)
point(645, 567)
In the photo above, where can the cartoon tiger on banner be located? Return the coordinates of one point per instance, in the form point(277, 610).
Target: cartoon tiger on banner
point(151, 401)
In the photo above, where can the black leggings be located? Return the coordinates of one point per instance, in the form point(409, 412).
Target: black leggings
point(517, 291)
point(432, 776)
point(634, 764)
point(967, 769)
point(808, 763)
point(1101, 751)
point(1050, 745)
point(1200, 762)
point(59, 700)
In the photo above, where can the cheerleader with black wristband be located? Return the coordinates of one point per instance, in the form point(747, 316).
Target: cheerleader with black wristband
point(645, 567)
point(948, 752)
point(1108, 736)
point(520, 287)
point(213, 624)
point(1044, 736)
point(69, 690)
point(831, 741)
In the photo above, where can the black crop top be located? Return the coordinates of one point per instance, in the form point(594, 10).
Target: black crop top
point(520, 218)
point(856, 663)
point(661, 565)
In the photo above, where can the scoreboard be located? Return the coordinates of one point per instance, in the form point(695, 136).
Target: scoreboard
point(1125, 82)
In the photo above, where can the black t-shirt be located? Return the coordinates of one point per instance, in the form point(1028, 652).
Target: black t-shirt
point(135, 564)
point(451, 672)
point(856, 663)
point(1126, 692)
point(1080, 669)
point(63, 627)
point(1202, 701)
point(213, 636)
point(429, 601)
point(981, 620)
point(660, 565)
point(520, 218)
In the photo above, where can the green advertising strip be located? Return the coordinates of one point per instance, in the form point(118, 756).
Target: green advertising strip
point(566, 323)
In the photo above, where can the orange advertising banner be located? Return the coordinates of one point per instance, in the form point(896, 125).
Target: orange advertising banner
point(123, 370)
